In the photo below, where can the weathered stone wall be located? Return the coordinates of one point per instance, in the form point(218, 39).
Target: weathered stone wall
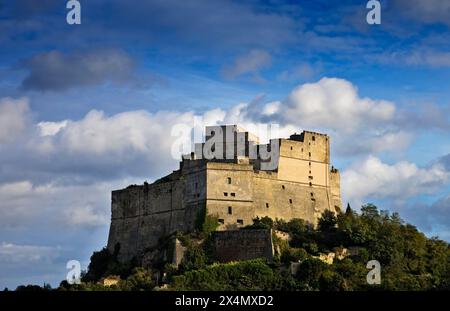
point(141, 215)
point(286, 200)
point(235, 245)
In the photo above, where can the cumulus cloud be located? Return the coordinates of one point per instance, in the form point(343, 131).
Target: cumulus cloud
point(332, 104)
point(13, 118)
point(250, 63)
point(56, 71)
point(358, 125)
point(335, 104)
point(371, 178)
point(56, 205)
point(87, 216)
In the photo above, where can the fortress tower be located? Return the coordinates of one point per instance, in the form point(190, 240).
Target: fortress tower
point(233, 178)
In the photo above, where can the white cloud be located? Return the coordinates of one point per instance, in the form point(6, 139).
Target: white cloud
point(13, 253)
point(335, 104)
point(417, 57)
point(86, 216)
point(59, 206)
point(250, 63)
point(371, 178)
point(430, 11)
point(299, 72)
point(51, 128)
point(13, 118)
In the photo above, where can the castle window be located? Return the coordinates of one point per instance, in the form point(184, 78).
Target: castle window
point(310, 154)
point(267, 205)
point(290, 201)
point(233, 194)
point(310, 171)
point(230, 210)
point(314, 138)
point(282, 187)
point(312, 194)
point(313, 199)
point(291, 147)
point(310, 184)
point(221, 221)
point(310, 162)
point(310, 177)
point(229, 180)
point(302, 149)
point(240, 221)
point(225, 194)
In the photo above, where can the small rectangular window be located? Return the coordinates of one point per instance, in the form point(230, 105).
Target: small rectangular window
point(267, 205)
point(229, 180)
point(230, 210)
point(233, 194)
point(221, 221)
point(290, 201)
point(310, 154)
point(225, 194)
point(310, 177)
point(240, 221)
point(282, 187)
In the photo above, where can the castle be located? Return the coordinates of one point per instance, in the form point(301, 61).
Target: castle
point(233, 178)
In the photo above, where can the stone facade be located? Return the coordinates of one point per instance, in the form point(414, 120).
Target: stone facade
point(236, 245)
point(235, 189)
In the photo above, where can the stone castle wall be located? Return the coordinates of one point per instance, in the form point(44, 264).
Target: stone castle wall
point(303, 186)
point(238, 245)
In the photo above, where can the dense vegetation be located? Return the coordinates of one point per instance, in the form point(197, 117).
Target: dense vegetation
point(409, 260)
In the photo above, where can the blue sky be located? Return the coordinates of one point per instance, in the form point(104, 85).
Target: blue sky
point(88, 108)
